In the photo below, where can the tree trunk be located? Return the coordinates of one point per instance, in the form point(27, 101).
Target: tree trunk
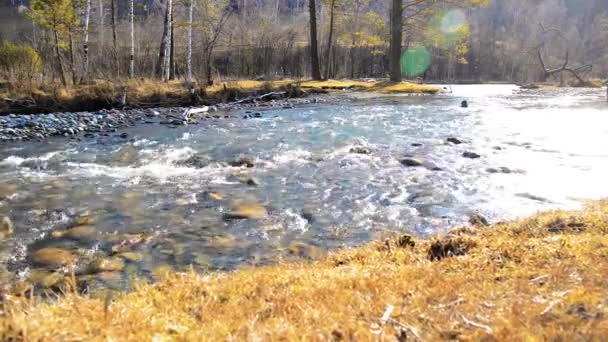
point(87, 16)
point(172, 55)
point(73, 60)
point(189, 57)
point(166, 44)
point(101, 25)
point(114, 39)
point(59, 63)
point(329, 39)
point(132, 54)
point(396, 38)
point(314, 53)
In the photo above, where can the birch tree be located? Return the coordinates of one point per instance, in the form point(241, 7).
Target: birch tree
point(87, 16)
point(166, 43)
point(189, 54)
point(132, 54)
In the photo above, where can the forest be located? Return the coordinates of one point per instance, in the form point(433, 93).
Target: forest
point(517, 41)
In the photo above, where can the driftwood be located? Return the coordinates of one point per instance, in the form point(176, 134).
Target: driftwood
point(20, 103)
point(547, 72)
point(251, 99)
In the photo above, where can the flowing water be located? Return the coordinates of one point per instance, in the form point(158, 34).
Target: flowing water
point(166, 195)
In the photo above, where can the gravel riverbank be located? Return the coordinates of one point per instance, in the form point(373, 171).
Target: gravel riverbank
point(38, 127)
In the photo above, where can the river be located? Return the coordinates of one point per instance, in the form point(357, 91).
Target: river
point(320, 177)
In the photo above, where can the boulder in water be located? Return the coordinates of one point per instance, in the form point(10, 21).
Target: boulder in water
point(111, 264)
point(6, 227)
point(471, 155)
point(360, 150)
point(477, 220)
point(247, 212)
point(454, 141)
point(464, 104)
point(195, 161)
point(81, 233)
point(7, 190)
point(411, 162)
point(243, 162)
point(53, 257)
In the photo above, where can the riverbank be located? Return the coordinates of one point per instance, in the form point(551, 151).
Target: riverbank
point(137, 94)
point(101, 108)
point(539, 278)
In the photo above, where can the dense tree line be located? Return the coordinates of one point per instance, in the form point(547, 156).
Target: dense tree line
point(476, 40)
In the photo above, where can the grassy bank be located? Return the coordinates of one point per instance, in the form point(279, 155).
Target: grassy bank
point(539, 278)
point(34, 98)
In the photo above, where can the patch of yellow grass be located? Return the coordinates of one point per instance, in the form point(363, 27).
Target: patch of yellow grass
point(375, 86)
point(247, 85)
point(540, 278)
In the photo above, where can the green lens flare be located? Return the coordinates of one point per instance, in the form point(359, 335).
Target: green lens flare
point(415, 62)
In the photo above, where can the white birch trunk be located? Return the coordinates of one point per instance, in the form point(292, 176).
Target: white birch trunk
point(168, 24)
point(132, 56)
point(101, 27)
point(87, 16)
point(189, 58)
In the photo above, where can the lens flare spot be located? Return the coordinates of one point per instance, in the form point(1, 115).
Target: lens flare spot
point(453, 21)
point(415, 61)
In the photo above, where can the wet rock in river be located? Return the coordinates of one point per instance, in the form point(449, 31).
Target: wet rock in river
point(6, 227)
point(53, 257)
point(304, 250)
point(412, 162)
point(7, 190)
point(360, 150)
point(45, 280)
point(126, 155)
point(478, 220)
point(243, 162)
point(501, 169)
point(131, 256)
point(112, 264)
point(308, 215)
point(196, 161)
point(81, 233)
point(454, 141)
point(247, 212)
point(471, 155)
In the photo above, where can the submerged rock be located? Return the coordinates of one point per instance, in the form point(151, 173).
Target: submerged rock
point(82, 233)
point(7, 190)
point(411, 162)
point(360, 150)
point(247, 212)
point(471, 155)
point(112, 264)
point(478, 220)
point(53, 257)
point(6, 227)
point(454, 141)
point(243, 162)
point(45, 279)
point(196, 161)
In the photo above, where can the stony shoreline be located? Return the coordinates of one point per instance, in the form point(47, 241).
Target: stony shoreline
point(37, 127)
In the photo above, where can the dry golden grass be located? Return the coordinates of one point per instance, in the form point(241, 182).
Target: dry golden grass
point(380, 87)
point(540, 278)
point(100, 94)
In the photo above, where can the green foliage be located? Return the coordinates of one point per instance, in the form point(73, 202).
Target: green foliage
point(55, 15)
point(18, 62)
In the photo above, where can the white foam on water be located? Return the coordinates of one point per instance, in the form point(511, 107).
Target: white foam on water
point(295, 222)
